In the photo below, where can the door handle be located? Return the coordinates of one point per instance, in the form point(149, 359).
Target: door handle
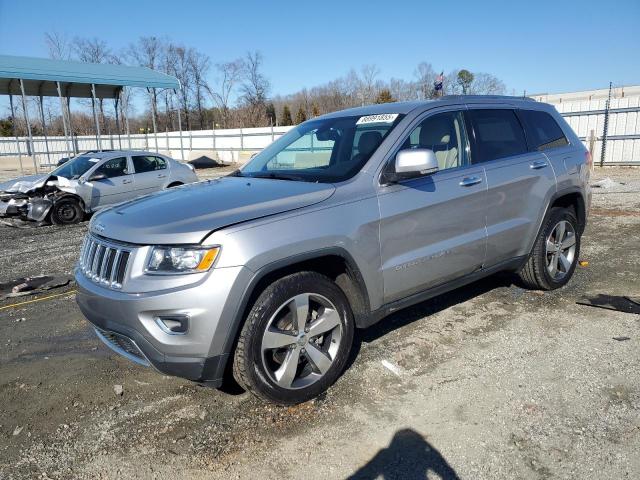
point(469, 181)
point(160, 175)
point(126, 181)
point(538, 164)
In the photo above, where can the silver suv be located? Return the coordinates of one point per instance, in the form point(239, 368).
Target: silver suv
point(264, 275)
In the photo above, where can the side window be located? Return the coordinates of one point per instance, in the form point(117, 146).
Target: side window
point(148, 163)
point(542, 130)
point(443, 133)
point(115, 167)
point(498, 134)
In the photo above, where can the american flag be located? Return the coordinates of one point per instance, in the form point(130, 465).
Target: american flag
point(437, 85)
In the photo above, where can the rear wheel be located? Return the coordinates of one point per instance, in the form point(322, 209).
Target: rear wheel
point(296, 339)
point(555, 254)
point(66, 211)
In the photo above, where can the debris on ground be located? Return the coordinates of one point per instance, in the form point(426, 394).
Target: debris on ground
point(119, 390)
point(611, 302)
point(395, 369)
point(606, 183)
point(621, 339)
point(32, 285)
point(583, 263)
point(17, 430)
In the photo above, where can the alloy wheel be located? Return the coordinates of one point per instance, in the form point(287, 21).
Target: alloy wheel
point(301, 341)
point(561, 249)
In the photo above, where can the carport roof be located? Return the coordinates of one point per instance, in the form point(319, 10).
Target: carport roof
point(41, 74)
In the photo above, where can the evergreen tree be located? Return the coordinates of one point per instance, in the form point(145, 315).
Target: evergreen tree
point(315, 111)
point(285, 119)
point(385, 96)
point(6, 127)
point(271, 113)
point(301, 116)
point(465, 79)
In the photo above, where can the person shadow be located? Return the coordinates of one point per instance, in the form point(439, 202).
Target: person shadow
point(408, 457)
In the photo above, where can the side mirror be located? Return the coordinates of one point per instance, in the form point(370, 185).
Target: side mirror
point(413, 163)
point(97, 176)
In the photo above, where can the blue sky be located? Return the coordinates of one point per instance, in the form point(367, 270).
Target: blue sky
point(541, 46)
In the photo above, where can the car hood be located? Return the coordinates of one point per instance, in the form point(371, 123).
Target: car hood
point(32, 182)
point(24, 184)
point(187, 214)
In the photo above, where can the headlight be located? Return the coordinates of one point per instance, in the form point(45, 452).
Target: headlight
point(172, 260)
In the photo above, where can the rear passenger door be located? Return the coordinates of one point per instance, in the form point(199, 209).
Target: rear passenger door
point(519, 181)
point(432, 228)
point(150, 173)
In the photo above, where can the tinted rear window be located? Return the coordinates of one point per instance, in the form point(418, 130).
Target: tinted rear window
point(542, 130)
point(498, 134)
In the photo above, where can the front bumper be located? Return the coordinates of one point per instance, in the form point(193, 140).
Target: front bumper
point(126, 323)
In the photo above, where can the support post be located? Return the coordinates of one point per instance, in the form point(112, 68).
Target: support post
point(74, 139)
point(44, 129)
point(123, 110)
point(64, 118)
point(95, 116)
point(30, 148)
point(13, 127)
point(592, 142)
point(153, 116)
point(116, 100)
point(605, 128)
point(180, 130)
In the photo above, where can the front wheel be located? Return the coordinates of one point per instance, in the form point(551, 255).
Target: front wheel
point(296, 339)
point(66, 211)
point(555, 253)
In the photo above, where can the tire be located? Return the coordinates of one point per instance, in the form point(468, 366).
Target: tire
point(551, 265)
point(314, 362)
point(66, 211)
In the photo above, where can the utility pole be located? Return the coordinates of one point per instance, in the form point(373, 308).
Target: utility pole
point(605, 129)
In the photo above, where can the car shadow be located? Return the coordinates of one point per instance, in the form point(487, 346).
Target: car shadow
point(408, 457)
point(434, 305)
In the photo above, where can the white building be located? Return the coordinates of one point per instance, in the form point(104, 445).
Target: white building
point(585, 112)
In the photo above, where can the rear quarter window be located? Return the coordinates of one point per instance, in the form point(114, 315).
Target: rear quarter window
point(498, 134)
point(543, 132)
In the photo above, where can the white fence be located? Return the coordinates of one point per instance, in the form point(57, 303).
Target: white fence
point(237, 145)
point(229, 145)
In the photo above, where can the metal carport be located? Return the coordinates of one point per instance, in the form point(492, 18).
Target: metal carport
point(42, 77)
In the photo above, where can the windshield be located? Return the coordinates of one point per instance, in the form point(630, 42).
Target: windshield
point(323, 150)
point(75, 168)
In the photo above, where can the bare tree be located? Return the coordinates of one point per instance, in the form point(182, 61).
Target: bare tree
point(183, 72)
point(58, 45)
point(199, 65)
point(255, 89)
point(425, 77)
point(94, 50)
point(369, 74)
point(147, 52)
point(487, 84)
point(230, 76)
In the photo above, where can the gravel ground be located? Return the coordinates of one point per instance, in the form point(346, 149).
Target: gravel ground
point(488, 381)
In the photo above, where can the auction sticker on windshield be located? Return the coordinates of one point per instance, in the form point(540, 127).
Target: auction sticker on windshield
point(380, 118)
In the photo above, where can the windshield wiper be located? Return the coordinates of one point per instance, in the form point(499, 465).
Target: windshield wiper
point(235, 173)
point(281, 176)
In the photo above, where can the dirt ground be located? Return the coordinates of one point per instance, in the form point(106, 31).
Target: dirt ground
point(489, 381)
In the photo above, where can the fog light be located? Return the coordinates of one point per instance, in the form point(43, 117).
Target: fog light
point(173, 324)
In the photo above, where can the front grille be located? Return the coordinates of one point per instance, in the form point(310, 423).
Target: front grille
point(104, 263)
point(122, 345)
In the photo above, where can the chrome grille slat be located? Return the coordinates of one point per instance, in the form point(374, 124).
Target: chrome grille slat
point(104, 262)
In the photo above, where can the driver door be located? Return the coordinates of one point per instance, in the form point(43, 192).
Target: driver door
point(116, 187)
point(432, 228)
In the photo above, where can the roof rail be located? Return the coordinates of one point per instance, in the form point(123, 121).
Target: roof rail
point(488, 97)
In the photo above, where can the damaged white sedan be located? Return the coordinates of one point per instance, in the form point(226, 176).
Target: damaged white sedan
point(88, 183)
